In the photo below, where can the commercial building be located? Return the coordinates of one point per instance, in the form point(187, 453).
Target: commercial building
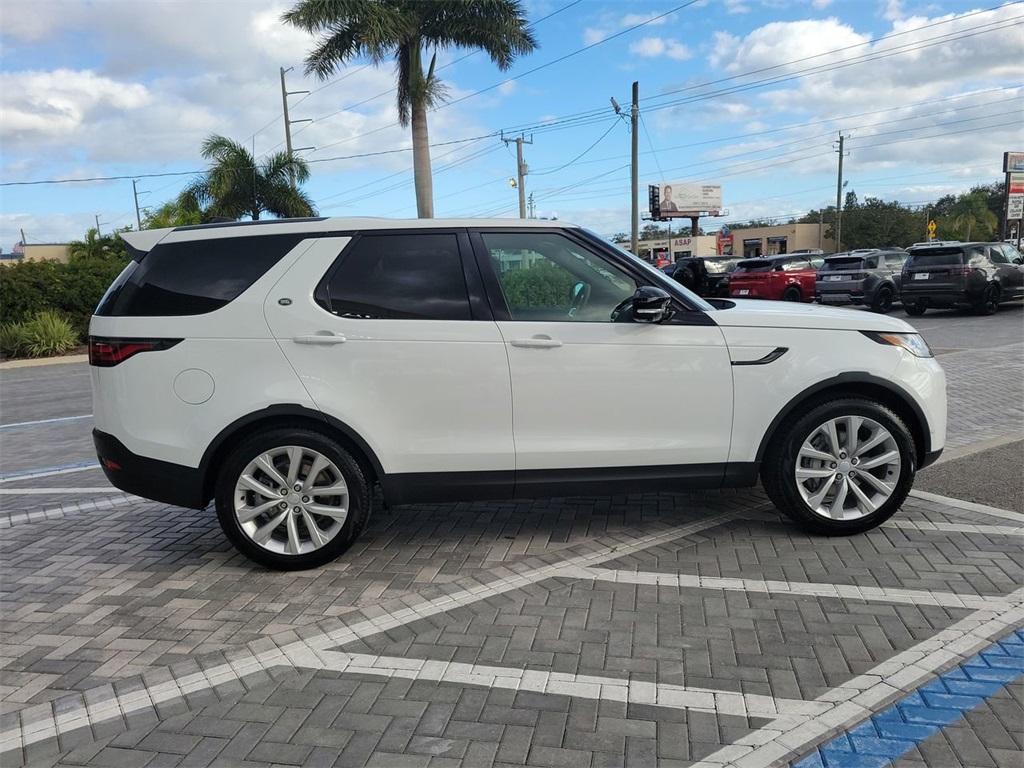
point(42, 252)
point(748, 243)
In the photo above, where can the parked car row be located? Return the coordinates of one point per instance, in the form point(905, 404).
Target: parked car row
point(978, 276)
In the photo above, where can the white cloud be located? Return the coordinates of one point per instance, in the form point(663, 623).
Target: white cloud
point(654, 47)
point(821, 4)
point(593, 35)
point(736, 6)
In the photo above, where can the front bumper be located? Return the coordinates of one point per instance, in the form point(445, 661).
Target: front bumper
point(150, 478)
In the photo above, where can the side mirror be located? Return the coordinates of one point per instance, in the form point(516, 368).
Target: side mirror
point(649, 304)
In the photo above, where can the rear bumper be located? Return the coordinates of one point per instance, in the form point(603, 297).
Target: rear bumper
point(951, 298)
point(150, 478)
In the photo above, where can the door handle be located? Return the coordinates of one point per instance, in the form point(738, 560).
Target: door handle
point(537, 342)
point(321, 337)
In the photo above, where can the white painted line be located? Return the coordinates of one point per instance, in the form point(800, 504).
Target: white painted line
point(969, 506)
point(793, 588)
point(927, 526)
point(54, 491)
point(44, 421)
point(309, 650)
point(595, 687)
point(31, 475)
point(866, 694)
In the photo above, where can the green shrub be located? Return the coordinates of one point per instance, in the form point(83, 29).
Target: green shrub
point(45, 335)
point(542, 284)
point(72, 289)
point(13, 339)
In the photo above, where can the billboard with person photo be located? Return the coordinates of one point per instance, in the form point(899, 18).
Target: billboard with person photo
point(681, 199)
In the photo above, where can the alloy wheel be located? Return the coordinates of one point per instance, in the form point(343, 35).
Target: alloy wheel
point(847, 468)
point(291, 500)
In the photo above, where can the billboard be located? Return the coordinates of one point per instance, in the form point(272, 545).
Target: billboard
point(1015, 197)
point(681, 199)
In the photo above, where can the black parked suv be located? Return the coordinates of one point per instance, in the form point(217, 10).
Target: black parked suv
point(705, 276)
point(979, 276)
point(870, 277)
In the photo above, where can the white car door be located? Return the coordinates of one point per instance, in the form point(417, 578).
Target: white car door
point(591, 393)
point(387, 339)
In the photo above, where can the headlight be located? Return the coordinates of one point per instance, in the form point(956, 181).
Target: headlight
point(912, 342)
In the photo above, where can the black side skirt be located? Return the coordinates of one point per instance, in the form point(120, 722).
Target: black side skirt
point(412, 487)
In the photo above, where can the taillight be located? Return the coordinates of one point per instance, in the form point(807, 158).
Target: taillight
point(961, 271)
point(106, 353)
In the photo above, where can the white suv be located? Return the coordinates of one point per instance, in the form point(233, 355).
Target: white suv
point(283, 368)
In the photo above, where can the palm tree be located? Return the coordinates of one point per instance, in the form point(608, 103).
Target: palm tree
point(236, 186)
point(403, 29)
point(971, 212)
point(92, 246)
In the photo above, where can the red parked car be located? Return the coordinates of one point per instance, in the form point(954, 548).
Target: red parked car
point(780, 278)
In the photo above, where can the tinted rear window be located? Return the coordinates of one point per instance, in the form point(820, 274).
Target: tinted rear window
point(855, 262)
point(935, 257)
point(755, 266)
point(193, 277)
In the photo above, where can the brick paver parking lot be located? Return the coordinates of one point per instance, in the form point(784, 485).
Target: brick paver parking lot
point(671, 629)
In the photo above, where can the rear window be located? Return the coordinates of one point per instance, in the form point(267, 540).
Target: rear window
point(834, 265)
point(193, 277)
point(934, 257)
point(757, 265)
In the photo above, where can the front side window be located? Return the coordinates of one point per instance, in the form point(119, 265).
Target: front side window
point(400, 277)
point(796, 264)
point(895, 260)
point(549, 278)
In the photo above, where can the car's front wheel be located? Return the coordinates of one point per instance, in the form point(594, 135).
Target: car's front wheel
point(291, 499)
point(843, 467)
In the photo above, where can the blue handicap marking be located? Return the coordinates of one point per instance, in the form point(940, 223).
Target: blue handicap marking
point(887, 735)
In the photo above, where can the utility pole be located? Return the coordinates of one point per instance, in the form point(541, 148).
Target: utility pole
point(23, 240)
point(821, 221)
point(634, 173)
point(531, 206)
point(839, 198)
point(98, 233)
point(135, 192)
point(521, 171)
point(288, 122)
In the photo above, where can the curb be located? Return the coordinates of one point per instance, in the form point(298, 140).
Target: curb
point(40, 361)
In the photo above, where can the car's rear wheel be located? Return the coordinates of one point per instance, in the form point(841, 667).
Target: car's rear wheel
point(883, 300)
point(843, 467)
point(989, 303)
point(792, 294)
point(291, 499)
point(914, 308)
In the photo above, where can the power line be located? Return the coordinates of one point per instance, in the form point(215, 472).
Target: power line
point(582, 154)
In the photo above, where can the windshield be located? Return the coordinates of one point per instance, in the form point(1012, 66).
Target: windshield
point(659, 277)
point(719, 265)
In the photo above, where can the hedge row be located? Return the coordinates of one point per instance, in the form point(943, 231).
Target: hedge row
point(72, 289)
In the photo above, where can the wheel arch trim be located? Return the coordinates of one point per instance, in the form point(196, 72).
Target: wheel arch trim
point(276, 412)
point(919, 431)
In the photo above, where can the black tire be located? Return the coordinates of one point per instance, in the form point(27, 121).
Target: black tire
point(250, 448)
point(914, 308)
point(882, 303)
point(779, 466)
point(792, 294)
point(989, 303)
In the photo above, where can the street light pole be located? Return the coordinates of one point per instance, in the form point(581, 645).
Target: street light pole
point(839, 198)
point(135, 192)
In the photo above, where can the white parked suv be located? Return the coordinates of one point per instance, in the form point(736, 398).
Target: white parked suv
point(284, 368)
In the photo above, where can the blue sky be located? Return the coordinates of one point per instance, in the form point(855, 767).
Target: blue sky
point(123, 88)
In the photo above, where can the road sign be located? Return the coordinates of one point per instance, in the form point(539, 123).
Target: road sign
point(1015, 198)
point(931, 229)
